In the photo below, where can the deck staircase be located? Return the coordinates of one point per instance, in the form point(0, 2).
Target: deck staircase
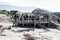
point(55, 20)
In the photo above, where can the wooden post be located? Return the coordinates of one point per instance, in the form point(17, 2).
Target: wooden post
point(23, 20)
point(27, 20)
point(34, 24)
point(39, 21)
point(30, 19)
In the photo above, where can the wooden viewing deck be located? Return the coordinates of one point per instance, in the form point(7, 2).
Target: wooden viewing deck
point(29, 21)
point(41, 22)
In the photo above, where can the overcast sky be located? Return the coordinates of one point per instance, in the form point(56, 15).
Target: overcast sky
point(51, 5)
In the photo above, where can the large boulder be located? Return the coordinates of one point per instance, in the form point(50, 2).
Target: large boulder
point(40, 11)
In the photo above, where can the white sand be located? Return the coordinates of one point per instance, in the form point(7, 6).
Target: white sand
point(6, 24)
point(41, 34)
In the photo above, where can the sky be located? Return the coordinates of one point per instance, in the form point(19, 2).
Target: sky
point(51, 5)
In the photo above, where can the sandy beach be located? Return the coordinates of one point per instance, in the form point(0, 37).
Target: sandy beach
point(39, 34)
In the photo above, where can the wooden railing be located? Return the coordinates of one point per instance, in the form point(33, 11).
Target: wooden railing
point(55, 18)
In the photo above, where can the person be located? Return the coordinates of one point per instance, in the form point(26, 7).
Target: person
point(16, 17)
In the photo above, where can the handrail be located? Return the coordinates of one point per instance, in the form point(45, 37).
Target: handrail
point(56, 16)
